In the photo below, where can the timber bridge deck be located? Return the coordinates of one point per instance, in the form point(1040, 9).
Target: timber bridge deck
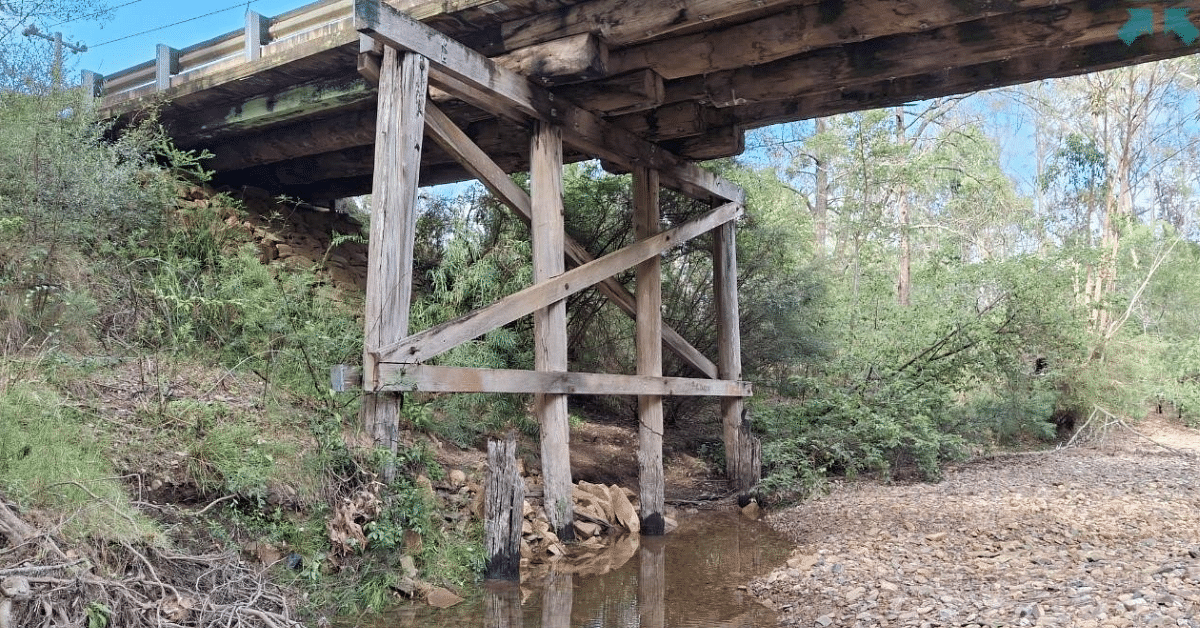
point(335, 99)
point(282, 105)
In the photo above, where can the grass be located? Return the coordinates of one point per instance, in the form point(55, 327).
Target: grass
point(50, 458)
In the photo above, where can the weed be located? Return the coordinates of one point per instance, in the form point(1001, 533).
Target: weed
point(49, 458)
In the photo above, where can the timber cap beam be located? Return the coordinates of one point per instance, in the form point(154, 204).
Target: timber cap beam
point(484, 83)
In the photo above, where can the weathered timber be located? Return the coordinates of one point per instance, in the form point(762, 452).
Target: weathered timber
point(800, 29)
point(504, 497)
point(453, 140)
point(400, 131)
point(905, 54)
point(729, 349)
point(627, 93)
point(749, 469)
point(572, 59)
point(308, 56)
point(451, 379)
point(620, 22)
point(441, 338)
point(496, 89)
point(550, 323)
point(648, 333)
point(715, 143)
point(557, 599)
point(448, 379)
point(682, 119)
point(308, 100)
point(652, 584)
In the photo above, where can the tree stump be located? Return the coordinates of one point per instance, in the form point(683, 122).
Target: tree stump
point(504, 495)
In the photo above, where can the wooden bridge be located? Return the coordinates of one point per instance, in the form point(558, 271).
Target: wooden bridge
point(333, 99)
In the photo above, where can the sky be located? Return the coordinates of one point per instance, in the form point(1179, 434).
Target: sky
point(122, 41)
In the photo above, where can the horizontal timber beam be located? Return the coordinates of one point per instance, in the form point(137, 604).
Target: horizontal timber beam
point(798, 29)
point(497, 89)
point(1052, 63)
point(441, 338)
point(621, 22)
point(449, 379)
point(1041, 30)
point(251, 114)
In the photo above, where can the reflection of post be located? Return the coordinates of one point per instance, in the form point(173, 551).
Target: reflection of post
point(557, 600)
point(502, 605)
point(652, 587)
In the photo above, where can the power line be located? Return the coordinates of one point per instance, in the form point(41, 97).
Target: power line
point(92, 15)
point(190, 19)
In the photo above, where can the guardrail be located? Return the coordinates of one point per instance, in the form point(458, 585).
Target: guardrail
point(260, 37)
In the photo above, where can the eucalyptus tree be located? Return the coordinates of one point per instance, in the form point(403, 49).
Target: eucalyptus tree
point(26, 63)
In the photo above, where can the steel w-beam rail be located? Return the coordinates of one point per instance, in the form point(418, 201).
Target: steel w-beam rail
point(485, 84)
point(444, 337)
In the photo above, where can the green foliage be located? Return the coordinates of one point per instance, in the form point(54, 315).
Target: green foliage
point(98, 615)
point(51, 458)
point(235, 458)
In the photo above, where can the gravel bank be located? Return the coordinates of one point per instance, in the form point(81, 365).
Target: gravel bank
point(1084, 537)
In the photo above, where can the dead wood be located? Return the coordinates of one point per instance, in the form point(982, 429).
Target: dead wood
point(129, 585)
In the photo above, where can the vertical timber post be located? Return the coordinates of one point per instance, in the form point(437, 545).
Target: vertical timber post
point(504, 496)
point(649, 354)
point(399, 131)
point(738, 459)
point(550, 323)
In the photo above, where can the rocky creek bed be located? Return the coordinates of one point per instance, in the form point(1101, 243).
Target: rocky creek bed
point(1106, 534)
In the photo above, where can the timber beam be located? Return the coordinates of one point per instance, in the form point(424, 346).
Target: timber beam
point(485, 84)
point(441, 338)
point(448, 379)
point(1042, 30)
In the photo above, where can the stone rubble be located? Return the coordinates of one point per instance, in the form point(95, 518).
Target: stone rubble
point(1079, 538)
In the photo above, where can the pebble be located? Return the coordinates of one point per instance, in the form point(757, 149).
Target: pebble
point(1082, 537)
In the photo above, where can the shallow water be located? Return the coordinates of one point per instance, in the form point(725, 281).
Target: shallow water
point(686, 579)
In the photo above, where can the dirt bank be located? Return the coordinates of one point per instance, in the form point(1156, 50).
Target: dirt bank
point(1103, 535)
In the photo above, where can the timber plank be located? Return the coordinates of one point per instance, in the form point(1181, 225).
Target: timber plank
point(451, 379)
point(441, 338)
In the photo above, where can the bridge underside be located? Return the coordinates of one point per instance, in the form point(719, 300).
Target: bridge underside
point(688, 75)
point(336, 99)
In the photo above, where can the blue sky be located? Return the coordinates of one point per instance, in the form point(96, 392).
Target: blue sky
point(120, 42)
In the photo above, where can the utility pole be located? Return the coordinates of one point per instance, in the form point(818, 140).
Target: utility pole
point(57, 39)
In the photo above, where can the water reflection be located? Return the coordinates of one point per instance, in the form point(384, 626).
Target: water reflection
point(687, 579)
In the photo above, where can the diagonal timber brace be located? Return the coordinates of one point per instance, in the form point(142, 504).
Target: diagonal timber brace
point(441, 338)
point(480, 81)
point(447, 134)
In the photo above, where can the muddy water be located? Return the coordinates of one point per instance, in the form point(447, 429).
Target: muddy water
point(688, 579)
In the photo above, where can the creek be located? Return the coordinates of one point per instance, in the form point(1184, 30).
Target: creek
point(688, 579)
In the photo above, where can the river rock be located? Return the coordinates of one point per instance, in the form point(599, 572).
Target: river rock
point(439, 597)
